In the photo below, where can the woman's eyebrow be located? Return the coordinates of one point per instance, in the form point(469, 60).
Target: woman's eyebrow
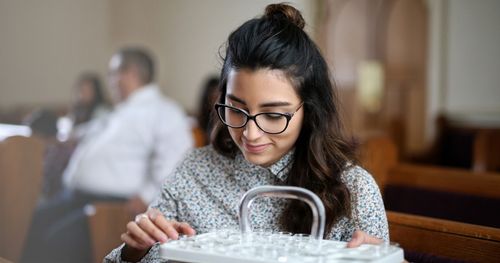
point(262, 105)
point(275, 104)
point(232, 97)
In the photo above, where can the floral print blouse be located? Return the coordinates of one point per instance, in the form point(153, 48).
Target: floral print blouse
point(205, 190)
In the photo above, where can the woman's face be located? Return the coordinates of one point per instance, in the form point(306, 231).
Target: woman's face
point(263, 91)
point(85, 94)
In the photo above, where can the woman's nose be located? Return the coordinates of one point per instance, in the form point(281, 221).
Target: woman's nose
point(252, 131)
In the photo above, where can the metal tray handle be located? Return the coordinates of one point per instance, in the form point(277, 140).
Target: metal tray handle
point(290, 192)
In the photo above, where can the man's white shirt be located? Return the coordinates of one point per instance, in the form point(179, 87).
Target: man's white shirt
point(133, 149)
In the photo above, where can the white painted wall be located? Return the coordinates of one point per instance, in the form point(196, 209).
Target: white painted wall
point(186, 36)
point(473, 57)
point(464, 62)
point(436, 69)
point(46, 44)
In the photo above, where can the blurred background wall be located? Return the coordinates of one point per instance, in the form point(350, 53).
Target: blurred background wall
point(473, 57)
point(45, 45)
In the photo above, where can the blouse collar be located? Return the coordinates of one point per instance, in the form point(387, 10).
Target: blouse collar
point(279, 169)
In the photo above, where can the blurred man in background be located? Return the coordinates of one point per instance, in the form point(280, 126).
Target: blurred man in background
point(123, 157)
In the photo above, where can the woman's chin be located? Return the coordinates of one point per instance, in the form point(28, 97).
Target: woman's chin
point(260, 159)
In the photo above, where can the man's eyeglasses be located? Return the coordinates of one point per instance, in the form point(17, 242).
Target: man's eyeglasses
point(268, 122)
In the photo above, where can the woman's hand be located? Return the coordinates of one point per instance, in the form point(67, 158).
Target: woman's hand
point(147, 229)
point(359, 237)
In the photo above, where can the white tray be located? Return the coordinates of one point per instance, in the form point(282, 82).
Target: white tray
point(230, 247)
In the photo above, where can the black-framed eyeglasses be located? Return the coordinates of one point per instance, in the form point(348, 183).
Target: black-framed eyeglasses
point(268, 122)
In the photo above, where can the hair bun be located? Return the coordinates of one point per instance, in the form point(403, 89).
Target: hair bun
point(287, 12)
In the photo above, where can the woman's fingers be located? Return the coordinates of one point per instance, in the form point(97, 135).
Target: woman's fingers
point(359, 237)
point(140, 238)
point(131, 241)
point(186, 229)
point(151, 229)
point(171, 228)
point(183, 227)
point(356, 240)
point(166, 227)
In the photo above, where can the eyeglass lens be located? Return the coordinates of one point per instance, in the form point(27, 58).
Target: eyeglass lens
point(268, 122)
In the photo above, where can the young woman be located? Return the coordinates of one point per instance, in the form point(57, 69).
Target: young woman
point(279, 124)
point(90, 99)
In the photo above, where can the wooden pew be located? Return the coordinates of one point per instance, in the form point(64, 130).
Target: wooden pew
point(486, 155)
point(444, 238)
point(378, 154)
point(107, 221)
point(198, 137)
point(21, 161)
point(445, 179)
point(441, 192)
point(453, 194)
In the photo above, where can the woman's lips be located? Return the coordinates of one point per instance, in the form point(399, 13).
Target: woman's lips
point(255, 148)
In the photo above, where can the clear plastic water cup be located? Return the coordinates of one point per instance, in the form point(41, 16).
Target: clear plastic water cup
point(302, 238)
point(386, 246)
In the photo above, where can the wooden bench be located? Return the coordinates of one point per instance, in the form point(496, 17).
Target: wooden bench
point(198, 137)
point(107, 221)
point(453, 194)
point(486, 155)
point(442, 192)
point(378, 154)
point(21, 160)
point(445, 179)
point(444, 238)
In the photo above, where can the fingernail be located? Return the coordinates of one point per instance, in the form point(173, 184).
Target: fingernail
point(152, 216)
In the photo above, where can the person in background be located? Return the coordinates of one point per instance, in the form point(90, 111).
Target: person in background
point(90, 103)
point(43, 124)
point(124, 158)
point(206, 104)
point(279, 125)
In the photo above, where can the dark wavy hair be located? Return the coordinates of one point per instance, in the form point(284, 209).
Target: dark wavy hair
point(206, 104)
point(277, 41)
point(83, 113)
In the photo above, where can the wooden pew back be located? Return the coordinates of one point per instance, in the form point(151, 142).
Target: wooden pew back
point(21, 168)
point(486, 155)
point(199, 137)
point(107, 221)
point(378, 155)
point(445, 179)
point(452, 194)
point(444, 238)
